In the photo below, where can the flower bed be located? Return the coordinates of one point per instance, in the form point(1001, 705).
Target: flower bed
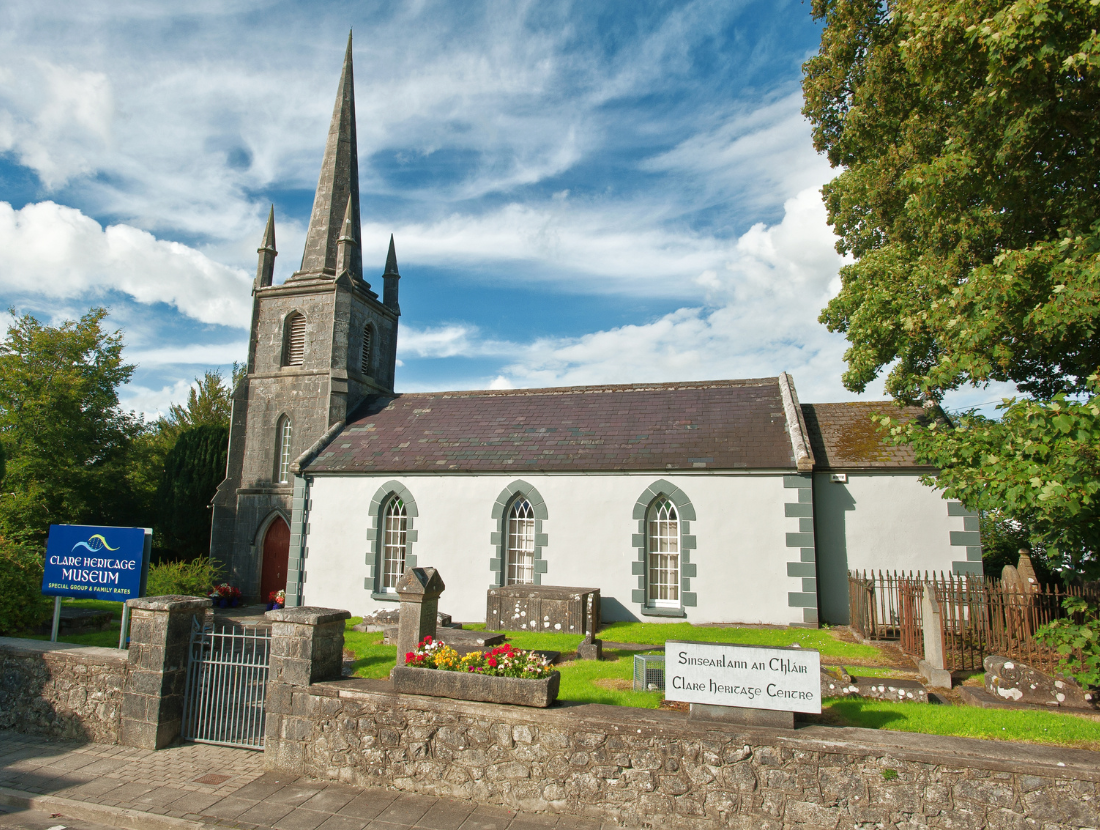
point(502, 675)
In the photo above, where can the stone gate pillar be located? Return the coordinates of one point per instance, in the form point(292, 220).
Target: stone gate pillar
point(152, 701)
point(419, 590)
point(307, 646)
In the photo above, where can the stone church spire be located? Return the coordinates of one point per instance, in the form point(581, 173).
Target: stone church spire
point(337, 190)
point(265, 269)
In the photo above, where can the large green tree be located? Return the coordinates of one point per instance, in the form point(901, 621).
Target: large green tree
point(969, 201)
point(65, 435)
point(193, 469)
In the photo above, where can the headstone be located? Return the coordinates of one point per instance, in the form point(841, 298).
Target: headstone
point(1028, 578)
point(750, 685)
point(419, 590)
point(590, 648)
point(932, 667)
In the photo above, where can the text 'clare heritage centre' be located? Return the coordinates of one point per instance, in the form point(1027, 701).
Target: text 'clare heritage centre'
point(751, 677)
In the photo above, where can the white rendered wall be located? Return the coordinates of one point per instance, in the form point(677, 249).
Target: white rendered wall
point(877, 521)
point(740, 553)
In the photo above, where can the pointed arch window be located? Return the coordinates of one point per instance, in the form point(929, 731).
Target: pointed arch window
point(521, 543)
point(663, 553)
point(395, 524)
point(294, 339)
point(284, 434)
point(368, 344)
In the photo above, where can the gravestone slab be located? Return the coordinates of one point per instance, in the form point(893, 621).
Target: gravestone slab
point(552, 608)
point(1015, 682)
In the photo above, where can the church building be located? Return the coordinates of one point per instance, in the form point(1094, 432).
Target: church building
point(705, 501)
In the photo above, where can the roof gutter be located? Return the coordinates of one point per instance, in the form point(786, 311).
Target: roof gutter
point(315, 448)
point(796, 425)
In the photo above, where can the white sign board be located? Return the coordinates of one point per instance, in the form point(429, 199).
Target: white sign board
point(752, 677)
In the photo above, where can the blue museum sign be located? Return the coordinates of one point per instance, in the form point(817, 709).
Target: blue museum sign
point(96, 562)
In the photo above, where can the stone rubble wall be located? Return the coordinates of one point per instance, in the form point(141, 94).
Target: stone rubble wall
point(61, 691)
point(659, 769)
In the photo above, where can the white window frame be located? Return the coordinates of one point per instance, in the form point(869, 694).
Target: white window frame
point(519, 560)
point(663, 554)
point(284, 432)
point(395, 543)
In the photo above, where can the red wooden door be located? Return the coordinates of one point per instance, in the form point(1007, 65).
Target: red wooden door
point(276, 554)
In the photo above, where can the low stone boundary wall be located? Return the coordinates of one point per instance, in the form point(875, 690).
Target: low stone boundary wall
point(657, 768)
point(61, 690)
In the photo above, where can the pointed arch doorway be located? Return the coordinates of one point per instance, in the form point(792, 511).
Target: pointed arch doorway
point(275, 558)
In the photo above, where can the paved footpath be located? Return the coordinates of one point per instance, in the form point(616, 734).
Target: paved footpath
point(199, 786)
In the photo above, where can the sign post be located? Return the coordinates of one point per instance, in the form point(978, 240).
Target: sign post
point(86, 562)
point(754, 685)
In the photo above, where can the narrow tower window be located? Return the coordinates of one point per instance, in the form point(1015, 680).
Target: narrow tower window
point(368, 342)
point(521, 543)
point(663, 545)
point(294, 340)
point(395, 528)
point(284, 433)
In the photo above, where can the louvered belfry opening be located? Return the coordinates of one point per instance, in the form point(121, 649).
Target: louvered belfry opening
point(368, 342)
point(295, 347)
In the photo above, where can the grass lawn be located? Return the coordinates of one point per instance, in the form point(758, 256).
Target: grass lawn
point(104, 639)
point(657, 633)
point(965, 722)
point(372, 659)
point(608, 681)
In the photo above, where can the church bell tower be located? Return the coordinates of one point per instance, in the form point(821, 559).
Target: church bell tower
point(320, 343)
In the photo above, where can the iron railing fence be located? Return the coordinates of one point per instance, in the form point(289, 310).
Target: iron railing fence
point(979, 616)
point(986, 616)
point(226, 685)
point(886, 605)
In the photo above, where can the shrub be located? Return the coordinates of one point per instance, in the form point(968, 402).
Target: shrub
point(195, 578)
point(21, 602)
point(1077, 639)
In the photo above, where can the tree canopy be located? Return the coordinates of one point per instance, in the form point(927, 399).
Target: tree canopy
point(65, 435)
point(969, 201)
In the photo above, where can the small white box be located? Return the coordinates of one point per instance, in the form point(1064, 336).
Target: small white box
point(839, 478)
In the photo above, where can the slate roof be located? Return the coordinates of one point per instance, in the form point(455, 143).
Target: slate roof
point(843, 436)
point(728, 424)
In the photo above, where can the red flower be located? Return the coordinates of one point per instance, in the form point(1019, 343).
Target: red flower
point(492, 662)
point(427, 641)
point(409, 655)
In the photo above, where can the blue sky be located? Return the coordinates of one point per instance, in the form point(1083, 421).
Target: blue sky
point(580, 192)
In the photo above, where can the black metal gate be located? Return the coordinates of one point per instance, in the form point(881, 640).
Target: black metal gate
point(223, 700)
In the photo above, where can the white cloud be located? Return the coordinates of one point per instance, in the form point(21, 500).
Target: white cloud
point(761, 320)
point(193, 354)
point(153, 403)
point(753, 154)
point(56, 119)
point(55, 251)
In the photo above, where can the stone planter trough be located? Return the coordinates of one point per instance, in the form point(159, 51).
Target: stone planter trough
point(518, 691)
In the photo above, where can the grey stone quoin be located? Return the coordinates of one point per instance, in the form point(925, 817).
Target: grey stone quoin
point(152, 701)
point(419, 590)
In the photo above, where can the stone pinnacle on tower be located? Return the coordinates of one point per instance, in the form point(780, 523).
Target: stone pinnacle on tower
point(389, 280)
point(265, 270)
point(337, 189)
point(346, 246)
